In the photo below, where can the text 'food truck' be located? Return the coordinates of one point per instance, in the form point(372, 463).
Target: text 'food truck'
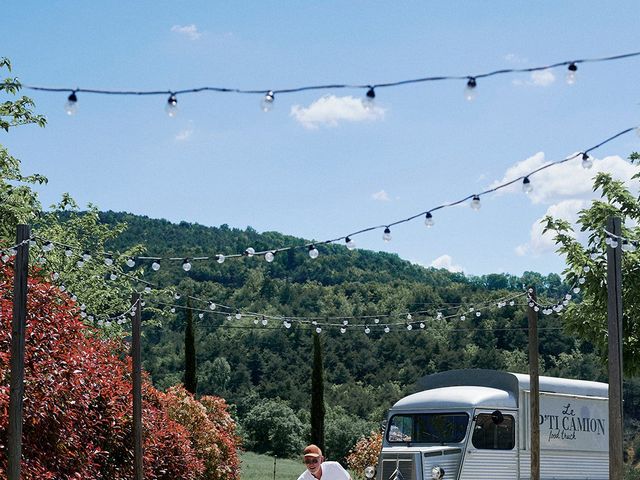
point(476, 424)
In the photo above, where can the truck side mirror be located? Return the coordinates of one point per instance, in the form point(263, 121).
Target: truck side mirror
point(497, 417)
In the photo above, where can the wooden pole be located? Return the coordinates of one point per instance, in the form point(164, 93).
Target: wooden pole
point(16, 385)
point(275, 458)
point(534, 385)
point(614, 314)
point(137, 387)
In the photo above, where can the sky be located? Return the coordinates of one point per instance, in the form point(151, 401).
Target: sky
point(324, 163)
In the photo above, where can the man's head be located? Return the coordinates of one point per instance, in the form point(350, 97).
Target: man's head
point(313, 458)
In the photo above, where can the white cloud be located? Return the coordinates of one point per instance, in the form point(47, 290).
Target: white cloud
point(539, 78)
point(381, 196)
point(566, 189)
point(446, 262)
point(184, 135)
point(330, 110)
point(515, 58)
point(565, 181)
point(190, 31)
point(540, 243)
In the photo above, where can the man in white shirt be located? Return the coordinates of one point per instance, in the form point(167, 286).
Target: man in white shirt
point(317, 468)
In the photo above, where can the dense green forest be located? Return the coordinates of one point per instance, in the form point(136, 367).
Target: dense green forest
point(265, 371)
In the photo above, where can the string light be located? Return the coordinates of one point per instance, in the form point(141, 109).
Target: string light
point(470, 89)
point(250, 252)
point(526, 185)
point(428, 217)
point(71, 107)
point(108, 259)
point(172, 102)
point(586, 161)
point(186, 265)
point(269, 256)
point(172, 106)
point(475, 202)
point(428, 220)
point(351, 245)
point(313, 251)
point(155, 266)
point(267, 102)
point(571, 73)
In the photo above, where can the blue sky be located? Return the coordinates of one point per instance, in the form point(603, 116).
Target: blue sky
point(320, 165)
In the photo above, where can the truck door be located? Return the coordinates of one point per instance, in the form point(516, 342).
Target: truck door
point(491, 451)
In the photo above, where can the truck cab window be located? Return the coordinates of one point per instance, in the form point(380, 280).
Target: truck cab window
point(489, 435)
point(438, 428)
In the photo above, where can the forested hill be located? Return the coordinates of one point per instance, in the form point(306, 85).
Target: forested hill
point(269, 367)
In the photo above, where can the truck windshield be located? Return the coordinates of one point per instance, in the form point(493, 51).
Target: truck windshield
point(428, 428)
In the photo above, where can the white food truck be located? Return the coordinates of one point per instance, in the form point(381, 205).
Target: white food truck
point(475, 424)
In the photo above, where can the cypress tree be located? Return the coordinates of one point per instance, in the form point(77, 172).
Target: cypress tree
point(317, 394)
point(190, 377)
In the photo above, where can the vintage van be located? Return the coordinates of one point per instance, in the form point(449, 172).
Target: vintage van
point(475, 424)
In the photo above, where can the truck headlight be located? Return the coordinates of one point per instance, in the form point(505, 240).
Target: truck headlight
point(437, 473)
point(370, 472)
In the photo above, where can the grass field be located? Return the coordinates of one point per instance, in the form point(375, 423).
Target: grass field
point(260, 467)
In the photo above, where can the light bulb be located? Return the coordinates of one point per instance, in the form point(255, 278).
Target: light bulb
point(269, 256)
point(212, 306)
point(571, 73)
point(86, 256)
point(172, 106)
point(80, 263)
point(369, 98)
point(201, 315)
point(343, 330)
point(387, 329)
point(68, 252)
point(264, 321)
point(155, 266)
point(255, 321)
point(113, 276)
point(470, 89)
point(463, 317)
point(47, 247)
point(386, 236)
point(613, 244)
point(345, 322)
point(238, 315)
point(220, 258)
point(4, 258)
point(409, 327)
point(267, 101)
point(313, 251)
point(586, 268)
point(581, 280)
point(376, 320)
point(475, 202)
point(576, 290)
point(287, 324)
point(526, 185)
point(351, 245)
point(177, 295)
point(173, 310)
point(130, 262)
point(108, 260)
point(367, 330)
point(422, 325)
point(250, 252)
point(586, 161)
point(428, 220)
point(62, 288)
point(71, 107)
point(147, 289)
point(478, 314)
point(409, 317)
point(318, 329)
point(186, 265)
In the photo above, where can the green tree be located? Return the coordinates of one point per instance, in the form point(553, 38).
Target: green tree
point(271, 426)
point(317, 394)
point(588, 318)
point(18, 202)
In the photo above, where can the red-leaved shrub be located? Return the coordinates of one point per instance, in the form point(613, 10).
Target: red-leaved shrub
point(364, 453)
point(77, 418)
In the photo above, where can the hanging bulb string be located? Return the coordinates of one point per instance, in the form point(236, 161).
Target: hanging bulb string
point(250, 252)
point(332, 86)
